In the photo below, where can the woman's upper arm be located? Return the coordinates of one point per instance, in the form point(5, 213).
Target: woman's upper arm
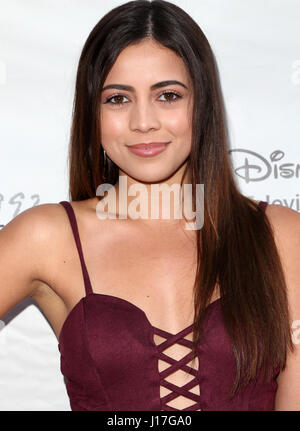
point(22, 247)
point(286, 224)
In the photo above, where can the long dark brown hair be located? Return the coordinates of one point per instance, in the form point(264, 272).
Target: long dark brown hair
point(235, 247)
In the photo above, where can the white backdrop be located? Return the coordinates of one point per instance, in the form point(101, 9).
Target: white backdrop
point(257, 47)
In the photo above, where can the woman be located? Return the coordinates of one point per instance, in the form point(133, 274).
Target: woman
point(148, 314)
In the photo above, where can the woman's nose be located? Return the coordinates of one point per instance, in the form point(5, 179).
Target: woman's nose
point(144, 116)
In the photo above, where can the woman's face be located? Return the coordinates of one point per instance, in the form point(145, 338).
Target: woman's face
point(143, 115)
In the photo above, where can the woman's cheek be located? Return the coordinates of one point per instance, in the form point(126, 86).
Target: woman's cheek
point(178, 124)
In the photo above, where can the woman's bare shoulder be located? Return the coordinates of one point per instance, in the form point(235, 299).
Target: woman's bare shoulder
point(43, 229)
point(281, 217)
point(36, 220)
point(286, 226)
point(284, 220)
point(27, 244)
point(41, 220)
point(285, 223)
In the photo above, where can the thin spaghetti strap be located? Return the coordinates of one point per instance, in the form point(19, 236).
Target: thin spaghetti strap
point(68, 207)
point(263, 204)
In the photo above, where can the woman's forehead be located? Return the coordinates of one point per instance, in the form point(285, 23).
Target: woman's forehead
point(149, 64)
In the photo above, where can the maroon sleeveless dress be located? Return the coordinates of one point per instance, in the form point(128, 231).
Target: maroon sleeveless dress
point(110, 361)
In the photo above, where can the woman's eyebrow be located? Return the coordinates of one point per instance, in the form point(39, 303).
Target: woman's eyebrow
point(153, 87)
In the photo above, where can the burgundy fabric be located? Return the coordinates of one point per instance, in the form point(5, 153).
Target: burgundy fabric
point(110, 360)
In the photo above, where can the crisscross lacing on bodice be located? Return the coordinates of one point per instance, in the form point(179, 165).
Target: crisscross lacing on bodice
point(179, 394)
point(175, 365)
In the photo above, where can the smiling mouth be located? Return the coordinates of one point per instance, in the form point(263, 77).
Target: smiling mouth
point(148, 150)
point(149, 146)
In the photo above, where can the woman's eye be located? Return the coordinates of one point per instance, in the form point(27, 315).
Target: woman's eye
point(118, 98)
point(172, 94)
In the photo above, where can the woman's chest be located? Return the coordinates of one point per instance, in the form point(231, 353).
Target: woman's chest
point(153, 270)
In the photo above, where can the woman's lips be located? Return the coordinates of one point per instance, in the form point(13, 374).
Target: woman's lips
point(148, 150)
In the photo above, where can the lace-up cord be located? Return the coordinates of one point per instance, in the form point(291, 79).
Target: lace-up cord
point(176, 365)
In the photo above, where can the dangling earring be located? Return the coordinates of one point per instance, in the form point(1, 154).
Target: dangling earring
point(105, 163)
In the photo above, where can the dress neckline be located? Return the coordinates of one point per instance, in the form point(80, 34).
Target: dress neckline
point(153, 328)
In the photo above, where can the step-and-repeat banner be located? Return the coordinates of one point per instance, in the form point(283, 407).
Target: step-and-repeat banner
point(257, 47)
